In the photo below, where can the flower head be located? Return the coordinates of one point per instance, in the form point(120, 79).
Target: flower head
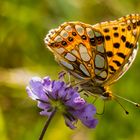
point(52, 94)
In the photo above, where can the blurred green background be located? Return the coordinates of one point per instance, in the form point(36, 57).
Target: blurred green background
point(23, 26)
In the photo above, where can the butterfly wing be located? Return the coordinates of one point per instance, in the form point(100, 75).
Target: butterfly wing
point(79, 48)
point(101, 53)
point(121, 37)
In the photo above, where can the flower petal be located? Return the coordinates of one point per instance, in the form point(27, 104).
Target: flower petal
point(62, 93)
point(36, 89)
point(90, 123)
point(56, 87)
point(86, 115)
point(36, 86)
point(70, 121)
point(30, 93)
point(43, 105)
point(73, 99)
point(46, 113)
point(47, 84)
point(56, 94)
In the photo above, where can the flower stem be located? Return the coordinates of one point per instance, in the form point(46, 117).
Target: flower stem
point(47, 124)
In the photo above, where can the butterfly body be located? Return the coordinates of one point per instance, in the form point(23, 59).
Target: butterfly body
point(96, 55)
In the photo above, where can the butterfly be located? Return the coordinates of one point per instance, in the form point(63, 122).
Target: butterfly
point(97, 55)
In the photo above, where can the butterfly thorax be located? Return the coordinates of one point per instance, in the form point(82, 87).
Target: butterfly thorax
point(96, 90)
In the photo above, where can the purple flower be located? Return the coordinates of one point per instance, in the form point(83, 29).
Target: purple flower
point(56, 94)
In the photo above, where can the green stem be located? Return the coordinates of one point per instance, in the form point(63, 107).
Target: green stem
point(47, 124)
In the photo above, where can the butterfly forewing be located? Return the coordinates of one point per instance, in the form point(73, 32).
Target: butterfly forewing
point(79, 48)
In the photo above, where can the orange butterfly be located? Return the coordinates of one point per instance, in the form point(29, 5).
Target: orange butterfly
point(96, 55)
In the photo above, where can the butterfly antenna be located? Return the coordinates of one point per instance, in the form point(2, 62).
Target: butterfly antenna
point(126, 112)
point(134, 103)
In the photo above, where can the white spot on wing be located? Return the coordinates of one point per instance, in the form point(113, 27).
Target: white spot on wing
point(77, 75)
point(89, 65)
point(79, 29)
point(105, 22)
point(90, 32)
point(133, 21)
point(97, 71)
point(58, 39)
point(47, 40)
point(99, 61)
point(60, 50)
point(97, 34)
point(67, 65)
point(84, 53)
point(70, 57)
point(51, 32)
point(134, 32)
point(64, 34)
point(128, 21)
point(100, 48)
point(68, 28)
point(84, 70)
point(75, 52)
point(103, 74)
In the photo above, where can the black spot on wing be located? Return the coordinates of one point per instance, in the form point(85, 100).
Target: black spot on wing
point(70, 39)
point(109, 53)
point(116, 45)
point(115, 28)
point(83, 37)
point(116, 34)
point(117, 63)
point(123, 38)
point(112, 68)
point(106, 30)
point(107, 37)
point(92, 41)
point(121, 55)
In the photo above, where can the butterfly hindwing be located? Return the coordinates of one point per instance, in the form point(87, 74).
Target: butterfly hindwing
point(121, 38)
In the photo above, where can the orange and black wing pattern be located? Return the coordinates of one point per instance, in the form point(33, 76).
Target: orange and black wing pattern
point(121, 37)
point(79, 48)
point(101, 53)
